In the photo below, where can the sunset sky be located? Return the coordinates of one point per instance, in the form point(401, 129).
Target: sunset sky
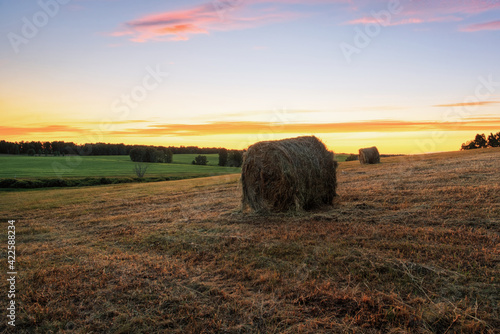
point(407, 76)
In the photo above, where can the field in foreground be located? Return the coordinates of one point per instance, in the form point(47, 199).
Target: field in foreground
point(411, 245)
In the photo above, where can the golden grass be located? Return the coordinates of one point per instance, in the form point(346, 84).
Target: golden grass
point(411, 245)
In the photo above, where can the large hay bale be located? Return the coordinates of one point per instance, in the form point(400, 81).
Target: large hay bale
point(369, 155)
point(289, 174)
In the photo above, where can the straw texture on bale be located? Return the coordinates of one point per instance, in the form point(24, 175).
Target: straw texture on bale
point(369, 155)
point(290, 174)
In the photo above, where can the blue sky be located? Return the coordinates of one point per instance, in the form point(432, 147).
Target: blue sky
point(240, 71)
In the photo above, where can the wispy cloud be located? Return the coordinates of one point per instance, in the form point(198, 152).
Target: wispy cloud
point(225, 128)
point(420, 12)
point(493, 25)
point(23, 131)
point(402, 21)
point(41, 129)
point(202, 19)
point(467, 104)
point(131, 121)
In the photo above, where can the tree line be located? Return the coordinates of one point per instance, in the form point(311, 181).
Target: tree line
point(137, 153)
point(151, 154)
point(229, 158)
point(480, 141)
point(64, 148)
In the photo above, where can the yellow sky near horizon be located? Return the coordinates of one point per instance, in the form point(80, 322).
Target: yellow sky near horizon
point(392, 137)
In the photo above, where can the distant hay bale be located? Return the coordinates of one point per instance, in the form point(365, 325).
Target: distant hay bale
point(289, 174)
point(369, 155)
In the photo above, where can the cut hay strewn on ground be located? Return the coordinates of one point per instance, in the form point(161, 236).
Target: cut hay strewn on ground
point(369, 155)
point(290, 174)
point(412, 245)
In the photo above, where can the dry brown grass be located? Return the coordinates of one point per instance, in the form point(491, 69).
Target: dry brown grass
point(411, 245)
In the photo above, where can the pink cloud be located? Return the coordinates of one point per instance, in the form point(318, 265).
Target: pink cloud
point(423, 11)
point(21, 131)
point(371, 19)
point(438, 8)
point(182, 24)
point(493, 25)
point(403, 21)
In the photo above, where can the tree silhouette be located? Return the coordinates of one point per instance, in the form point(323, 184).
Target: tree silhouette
point(480, 141)
point(200, 160)
point(222, 157)
point(494, 140)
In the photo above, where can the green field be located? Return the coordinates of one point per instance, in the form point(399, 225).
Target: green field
point(104, 166)
point(213, 159)
point(18, 166)
point(341, 157)
point(20, 171)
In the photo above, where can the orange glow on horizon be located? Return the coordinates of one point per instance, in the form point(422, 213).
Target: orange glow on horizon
point(391, 135)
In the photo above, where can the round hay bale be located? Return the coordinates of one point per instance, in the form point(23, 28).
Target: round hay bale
point(289, 174)
point(369, 155)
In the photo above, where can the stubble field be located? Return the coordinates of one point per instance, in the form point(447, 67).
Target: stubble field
point(410, 245)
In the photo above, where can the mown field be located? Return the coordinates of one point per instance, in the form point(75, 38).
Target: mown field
point(104, 166)
point(410, 245)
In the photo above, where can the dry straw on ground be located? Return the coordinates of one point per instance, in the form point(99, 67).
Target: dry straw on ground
point(289, 174)
point(369, 155)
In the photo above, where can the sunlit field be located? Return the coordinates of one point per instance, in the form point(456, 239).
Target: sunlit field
point(410, 245)
point(104, 166)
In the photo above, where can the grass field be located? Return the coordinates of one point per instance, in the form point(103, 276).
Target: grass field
point(213, 159)
point(410, 245)
point(104, 166)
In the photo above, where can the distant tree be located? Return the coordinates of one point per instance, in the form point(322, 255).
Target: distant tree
point(47, 147)
point(154, 155)
point(31, 152)
point(4, 147)
point(481, 141)
point(235, 158)
point(57, 146)
point(23, 147)
point(470, 145)
point(494, 140)
point(140, 170)
point(69, 148)
point(137, 154)
point(200, 160)
point(222, 157)
point(147, 154)
point(352, 157)
point(169, 155)
point(478, 142)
